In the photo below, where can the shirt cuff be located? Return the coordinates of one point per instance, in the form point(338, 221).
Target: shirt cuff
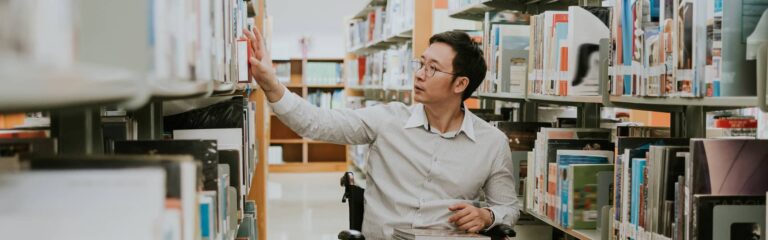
point(288, 102)
point(496, 219)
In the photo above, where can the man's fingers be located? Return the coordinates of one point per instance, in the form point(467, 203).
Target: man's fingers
point(459, 214)
point(468, 226)
point(468, 218)
point(458, 206)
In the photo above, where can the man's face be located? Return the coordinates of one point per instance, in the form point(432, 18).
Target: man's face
point(437, 59)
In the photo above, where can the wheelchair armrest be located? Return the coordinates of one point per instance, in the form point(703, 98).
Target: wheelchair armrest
point(351, 235)
point(500, 231)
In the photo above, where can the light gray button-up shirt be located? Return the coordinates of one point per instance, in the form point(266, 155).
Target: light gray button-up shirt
point(414, 172)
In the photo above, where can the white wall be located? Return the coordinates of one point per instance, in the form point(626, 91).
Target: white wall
point(322, 20)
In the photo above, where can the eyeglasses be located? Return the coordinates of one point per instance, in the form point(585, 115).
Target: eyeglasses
point(429, 70)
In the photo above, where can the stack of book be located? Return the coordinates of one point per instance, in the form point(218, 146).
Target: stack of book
point(457, 4)
point(380, 23)
point(390, 69)
point(283, 71)
point(564, 55)
point(322, 73)
point(507, 55)
point(168, 40)
point(327, 99)
point(675, 188)
point(435, 234)
point(544, 195)
point(193, 187)
point(680, 48)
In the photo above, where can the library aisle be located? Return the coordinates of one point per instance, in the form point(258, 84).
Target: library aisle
point(305, 206)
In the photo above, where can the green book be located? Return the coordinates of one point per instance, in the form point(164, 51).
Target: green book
point(582, 202)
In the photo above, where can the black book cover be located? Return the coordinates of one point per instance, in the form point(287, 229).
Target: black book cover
point(521, 135)
point(201, 150)
point(170, 163)
point(226, 114)
point(703, 206)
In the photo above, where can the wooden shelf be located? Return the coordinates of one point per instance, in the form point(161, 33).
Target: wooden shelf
point(308, 167)
point(286, 141)
point(581, 234)
point(326, 86)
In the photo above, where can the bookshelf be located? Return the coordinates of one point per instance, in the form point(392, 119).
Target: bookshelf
point(80, 76)
point(302, 154)
point(687, 115)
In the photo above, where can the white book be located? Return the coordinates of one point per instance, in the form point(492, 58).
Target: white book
point(436, 234)
point(584, 33)
point(93, 204)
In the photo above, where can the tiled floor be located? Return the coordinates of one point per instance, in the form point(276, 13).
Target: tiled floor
point(305, 206)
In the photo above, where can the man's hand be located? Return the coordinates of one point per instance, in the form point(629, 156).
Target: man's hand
point(261, 66)
point(469, 218)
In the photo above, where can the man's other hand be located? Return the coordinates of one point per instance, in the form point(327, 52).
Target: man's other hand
point(470, 218)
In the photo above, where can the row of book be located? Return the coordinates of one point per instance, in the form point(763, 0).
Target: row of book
point(391, 68)
point(322, 73)
point(564, 51)
point(327, 99)
point(380, 23)
point(282, 71)
point(691, 189)
point(159, 40)
point(192, 187)
point(574, 178)
point(683, 48)
point(458, 4)
point(507, 53)
point(196, 191)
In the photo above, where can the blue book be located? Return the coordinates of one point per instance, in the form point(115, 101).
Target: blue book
point(566, 158)
point(638, 165)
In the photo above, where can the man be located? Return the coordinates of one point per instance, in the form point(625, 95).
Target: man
point(429, 162)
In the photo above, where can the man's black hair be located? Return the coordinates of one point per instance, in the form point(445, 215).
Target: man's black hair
point(469, 60)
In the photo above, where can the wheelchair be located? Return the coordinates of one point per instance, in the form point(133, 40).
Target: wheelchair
point(353, 195)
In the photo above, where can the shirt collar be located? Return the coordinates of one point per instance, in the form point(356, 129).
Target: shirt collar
point(419, 119)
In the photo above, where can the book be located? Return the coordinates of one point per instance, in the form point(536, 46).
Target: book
point(638, 165)
point(543, 156)
point(207, 213)
point(643, 132)
point(565, 158)
point(725, 167)
point(435, 234)
point(204, 151)
point(83, 200)
point(703, 216)
point(585, 29)
point(180, 184)
point(583, 191)
point(521, 135)
point(230, 142)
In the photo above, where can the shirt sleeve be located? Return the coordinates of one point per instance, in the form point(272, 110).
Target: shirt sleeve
point(340, 126)
point(500, 192)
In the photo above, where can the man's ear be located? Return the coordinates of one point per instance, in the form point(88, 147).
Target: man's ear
point(460, 84)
